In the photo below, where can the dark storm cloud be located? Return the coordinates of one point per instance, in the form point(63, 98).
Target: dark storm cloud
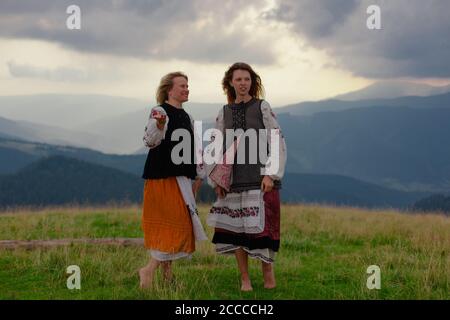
point(197, 30)
point(414, 40)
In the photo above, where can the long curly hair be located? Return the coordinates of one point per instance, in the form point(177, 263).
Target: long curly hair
point(256, 88)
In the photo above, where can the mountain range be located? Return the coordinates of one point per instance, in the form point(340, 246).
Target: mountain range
point(58, 180)
point(398, 147)
point(16, 154)
point(50, 134)
point(366, 152)
point(334, 105)
point(393, 89)
point(105, 123)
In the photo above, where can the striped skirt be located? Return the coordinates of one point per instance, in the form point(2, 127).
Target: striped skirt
point(262, 245)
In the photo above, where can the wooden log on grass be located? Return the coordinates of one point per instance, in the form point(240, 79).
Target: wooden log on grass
point(34, 244)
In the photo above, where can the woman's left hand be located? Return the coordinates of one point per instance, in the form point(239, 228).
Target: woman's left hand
point(267, 184)
point(196, 186)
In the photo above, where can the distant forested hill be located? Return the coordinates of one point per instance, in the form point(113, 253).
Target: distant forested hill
point(399, 147)
point(434, 203)
point(59, 180)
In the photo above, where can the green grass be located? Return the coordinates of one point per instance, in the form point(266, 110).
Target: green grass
point(324, 254)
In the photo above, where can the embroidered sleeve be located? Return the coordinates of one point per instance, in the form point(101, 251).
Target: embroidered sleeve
point(152, 135)
point(219, 125)
point(271, 124)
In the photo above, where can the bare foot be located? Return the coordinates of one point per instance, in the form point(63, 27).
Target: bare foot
point(270, 284)
point(246, 285)
point(145, 278)
point(269, 278)
point(171, 281)
point(168, 276)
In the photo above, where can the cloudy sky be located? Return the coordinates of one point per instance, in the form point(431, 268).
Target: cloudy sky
point(303, 49)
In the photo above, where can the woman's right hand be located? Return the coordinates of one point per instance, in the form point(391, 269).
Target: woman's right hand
point(160, 117)
point(220, 192)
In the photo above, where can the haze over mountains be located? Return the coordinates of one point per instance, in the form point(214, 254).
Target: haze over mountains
point(115, 124)
point(370, 152)
point(309, 108)
point(105, 123)
point(65, 110)
point(50, 134)
point(393, 89)
point(127, 130)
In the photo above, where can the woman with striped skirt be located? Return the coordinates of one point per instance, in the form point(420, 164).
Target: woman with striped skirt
point(246, 215)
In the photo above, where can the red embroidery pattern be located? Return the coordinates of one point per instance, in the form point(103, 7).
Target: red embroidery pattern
point(236, 213)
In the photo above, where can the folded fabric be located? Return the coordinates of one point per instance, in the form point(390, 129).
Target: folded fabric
point(186, 190)
point(221, 174)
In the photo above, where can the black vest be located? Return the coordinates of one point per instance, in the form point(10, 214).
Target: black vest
point(246, 176)
point(159, 164)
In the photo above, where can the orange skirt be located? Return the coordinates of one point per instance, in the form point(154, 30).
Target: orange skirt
point(166, 221)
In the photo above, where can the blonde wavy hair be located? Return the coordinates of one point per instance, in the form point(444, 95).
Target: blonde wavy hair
point(166, 83)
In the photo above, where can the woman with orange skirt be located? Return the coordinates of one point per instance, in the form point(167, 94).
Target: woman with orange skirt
point(169, 219)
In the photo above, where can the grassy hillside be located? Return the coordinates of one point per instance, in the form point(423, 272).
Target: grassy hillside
point(324, 254)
